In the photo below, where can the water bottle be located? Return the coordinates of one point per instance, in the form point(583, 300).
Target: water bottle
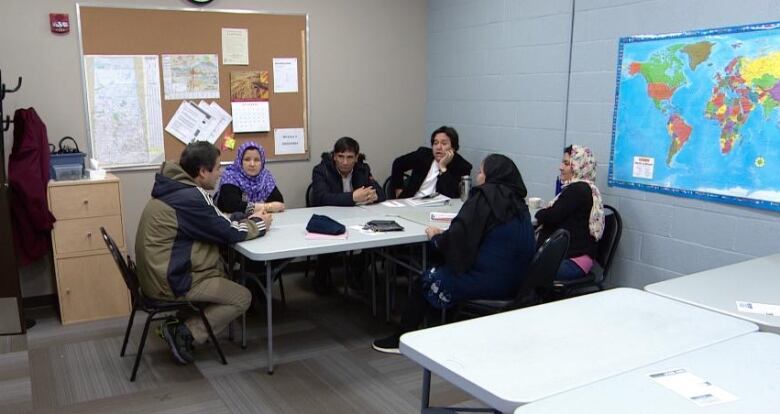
point(465, 187)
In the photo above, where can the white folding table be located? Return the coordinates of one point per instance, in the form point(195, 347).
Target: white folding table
point(746, 367)
point(756, 281)
point(518, 357)
point(288, 241)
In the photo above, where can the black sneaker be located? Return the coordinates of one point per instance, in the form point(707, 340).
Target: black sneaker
point(388, 345)
point(183, 332)
point(174, 337)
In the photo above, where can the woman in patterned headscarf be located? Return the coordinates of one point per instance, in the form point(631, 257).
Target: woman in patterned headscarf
point(247, 186)
point(579, 209)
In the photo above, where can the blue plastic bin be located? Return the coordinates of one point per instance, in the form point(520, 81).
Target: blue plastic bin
point(75, 158)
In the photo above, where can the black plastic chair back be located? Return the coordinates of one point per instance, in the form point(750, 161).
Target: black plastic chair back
point(309, 194)
point(128, 274)
point(613, 229)
point(543, 269)
point(386, 187)
point(390, 192)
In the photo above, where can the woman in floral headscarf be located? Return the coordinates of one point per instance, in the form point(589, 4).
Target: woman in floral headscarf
point(247, 186)
point(579, 209)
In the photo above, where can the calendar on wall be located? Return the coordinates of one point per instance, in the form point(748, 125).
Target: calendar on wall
point(251, 116)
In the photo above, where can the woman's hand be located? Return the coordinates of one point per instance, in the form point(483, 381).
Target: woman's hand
point(398, 192)
point(431, 231)
point(274, 207)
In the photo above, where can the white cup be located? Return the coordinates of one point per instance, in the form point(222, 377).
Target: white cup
point(535, 202)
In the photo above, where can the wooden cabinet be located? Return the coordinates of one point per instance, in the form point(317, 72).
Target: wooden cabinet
point(89, 284)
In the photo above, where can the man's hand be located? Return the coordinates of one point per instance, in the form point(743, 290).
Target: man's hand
point(364, 195)
point(398, 192)
point(446, 159)
point(372, 197)
point(267, 218)
point(431, 231)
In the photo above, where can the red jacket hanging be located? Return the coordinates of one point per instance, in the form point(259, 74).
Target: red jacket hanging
point(28, 176)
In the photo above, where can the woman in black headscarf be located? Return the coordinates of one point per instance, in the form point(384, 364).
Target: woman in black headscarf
point(486, 250)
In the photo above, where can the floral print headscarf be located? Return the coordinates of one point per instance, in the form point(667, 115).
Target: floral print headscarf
point(583, 165)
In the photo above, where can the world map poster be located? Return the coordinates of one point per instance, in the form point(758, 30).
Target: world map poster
point(697, 114)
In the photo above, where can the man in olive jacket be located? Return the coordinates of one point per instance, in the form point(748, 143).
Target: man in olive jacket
point(177, 246)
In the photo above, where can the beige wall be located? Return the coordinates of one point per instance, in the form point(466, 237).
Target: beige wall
point(367, 75)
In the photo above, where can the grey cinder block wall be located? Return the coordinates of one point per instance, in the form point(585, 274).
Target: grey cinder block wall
point(502, 73)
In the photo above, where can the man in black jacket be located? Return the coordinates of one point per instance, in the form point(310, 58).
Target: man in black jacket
point(342, 178)
point(436, 169)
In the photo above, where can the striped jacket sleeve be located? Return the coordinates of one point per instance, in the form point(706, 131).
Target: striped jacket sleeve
point(201, 220)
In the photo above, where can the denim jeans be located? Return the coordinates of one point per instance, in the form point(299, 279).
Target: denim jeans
point(569, 270)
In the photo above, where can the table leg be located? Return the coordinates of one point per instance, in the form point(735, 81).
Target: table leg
point(425, 399)
point(243, 316)
point(269, 321)
point(387, 289)
point(231, 258)
point(372, 257)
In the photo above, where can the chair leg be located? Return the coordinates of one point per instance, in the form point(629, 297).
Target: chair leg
point(243, 330)
point(141, 346)
point(211, 336)
point(127, 331)
point(306, 268)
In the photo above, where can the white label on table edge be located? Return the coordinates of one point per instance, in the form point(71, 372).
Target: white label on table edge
point(761, 308)
point(692, 388)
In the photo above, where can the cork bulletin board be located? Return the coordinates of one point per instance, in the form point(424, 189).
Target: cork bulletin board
point(134, 31)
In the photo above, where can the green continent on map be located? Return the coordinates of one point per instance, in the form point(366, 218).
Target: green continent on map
point(663, 73)
point(697, 53)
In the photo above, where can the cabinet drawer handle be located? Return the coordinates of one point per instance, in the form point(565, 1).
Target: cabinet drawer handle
point(67, 291)
point(86, 202)
point(89, 234)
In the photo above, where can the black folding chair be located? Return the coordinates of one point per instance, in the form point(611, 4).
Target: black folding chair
point(613, 229)
point(153, 307)
point(387, 186)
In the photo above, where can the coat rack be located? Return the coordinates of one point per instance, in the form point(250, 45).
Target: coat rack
point(9, 280)
point(5, 119)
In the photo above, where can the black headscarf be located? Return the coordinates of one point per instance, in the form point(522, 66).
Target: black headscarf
point(500, 199)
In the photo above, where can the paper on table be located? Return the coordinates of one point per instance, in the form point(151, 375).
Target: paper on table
point(693, 388)
point(251, 116)
point(762, 308)
point(285, 75)
point(189, 122)
point(288, 141)
point(319, 236)
point(442, 216)
point(438, 200)
point(393, 203)
point(364, 230)
point(235, 46)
